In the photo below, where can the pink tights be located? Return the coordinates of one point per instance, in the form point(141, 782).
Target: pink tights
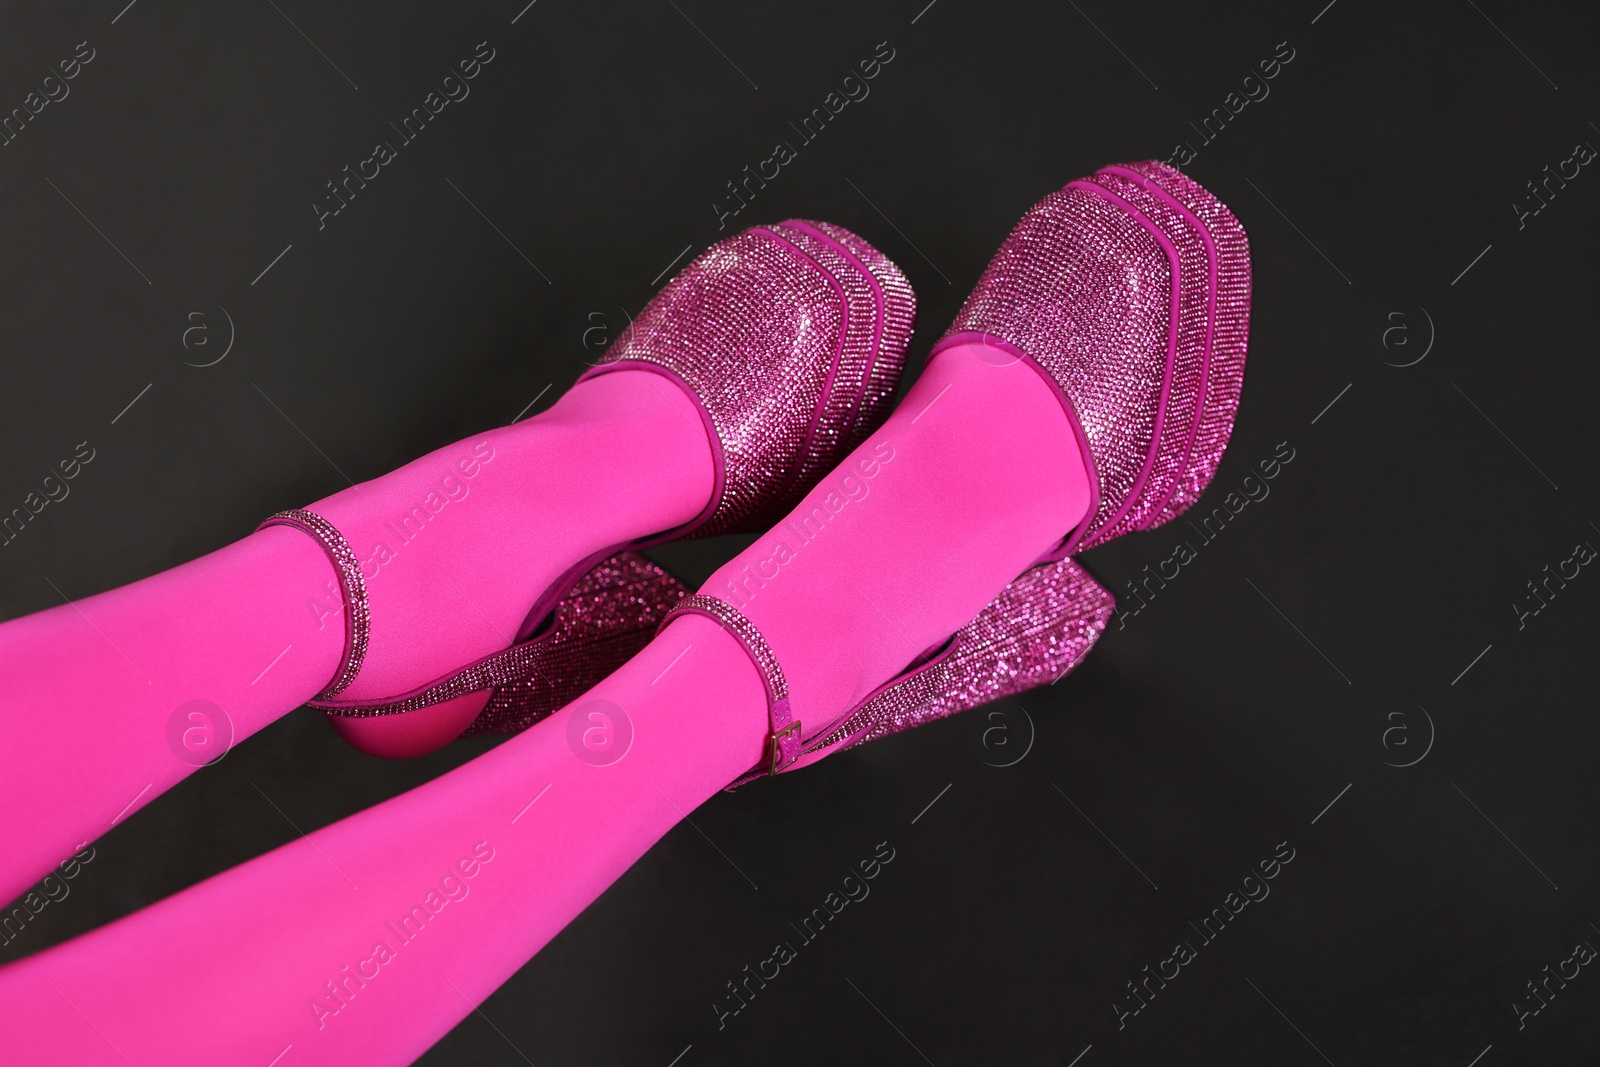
point(98, 703)
point(368, 940)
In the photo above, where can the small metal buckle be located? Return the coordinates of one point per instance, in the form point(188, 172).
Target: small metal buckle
point(776, 741)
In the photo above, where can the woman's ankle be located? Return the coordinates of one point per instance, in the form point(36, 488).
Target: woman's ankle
point(457, 546)
point(974, 477)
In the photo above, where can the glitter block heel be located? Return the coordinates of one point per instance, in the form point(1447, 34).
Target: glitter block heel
point(1039, 628)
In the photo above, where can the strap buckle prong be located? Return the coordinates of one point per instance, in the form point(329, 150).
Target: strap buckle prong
point(775, 740)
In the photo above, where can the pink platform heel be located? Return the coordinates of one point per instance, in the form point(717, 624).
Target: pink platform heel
point(791, 339)
point(1128, 292)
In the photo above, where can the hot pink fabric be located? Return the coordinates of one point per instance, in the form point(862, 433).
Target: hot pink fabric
point(512, 846)
point(612, 461)
point(907, 540)
point(255, 628)
point(971, 479)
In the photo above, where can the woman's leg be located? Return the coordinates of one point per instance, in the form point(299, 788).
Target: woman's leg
point(368, 940)
point(112, 699)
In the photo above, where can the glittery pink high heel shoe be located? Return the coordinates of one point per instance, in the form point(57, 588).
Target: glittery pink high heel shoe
point(1129, 293)
point(791, 339)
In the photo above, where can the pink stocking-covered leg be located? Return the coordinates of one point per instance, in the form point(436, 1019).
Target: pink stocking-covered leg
point(112, 699)
point(367, 941)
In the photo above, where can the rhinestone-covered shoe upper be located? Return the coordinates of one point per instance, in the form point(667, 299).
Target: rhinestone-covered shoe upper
point(1130, 291)
point(791, 338)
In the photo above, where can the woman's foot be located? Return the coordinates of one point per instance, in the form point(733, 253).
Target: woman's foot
point(1086, 390)
point(753, 371)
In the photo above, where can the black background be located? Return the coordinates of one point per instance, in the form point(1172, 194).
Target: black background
point(1197, 738)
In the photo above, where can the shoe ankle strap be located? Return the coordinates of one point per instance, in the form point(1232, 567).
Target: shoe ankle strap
point(784, 739)
point(358, 615)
